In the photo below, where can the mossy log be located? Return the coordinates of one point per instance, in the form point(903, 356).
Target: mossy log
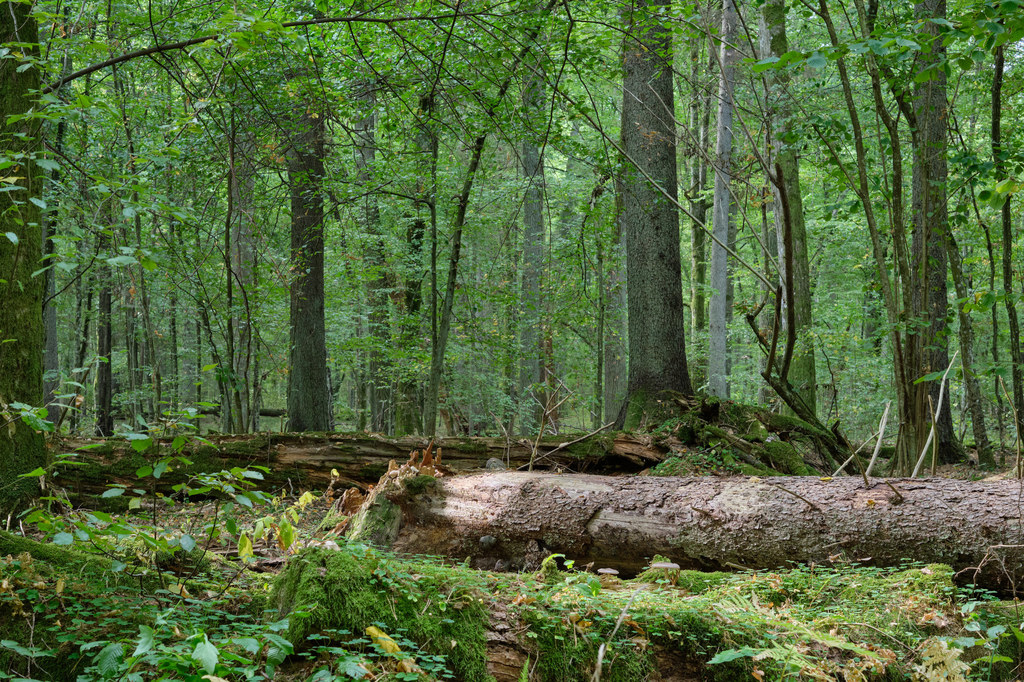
point(516, 519)
point(305, 461)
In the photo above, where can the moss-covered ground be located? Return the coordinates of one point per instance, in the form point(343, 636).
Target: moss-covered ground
point(126, 601)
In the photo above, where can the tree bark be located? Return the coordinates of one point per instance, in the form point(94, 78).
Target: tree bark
point(305, 462)
point(718, 348)
point(1013, 323)
point(309, 398)
point(21, 315)
point(788, 210)
point(975, 399)
point(715, 523)
point(379, 322)
point(650, 222)
point(931, 224)
point(531, 359)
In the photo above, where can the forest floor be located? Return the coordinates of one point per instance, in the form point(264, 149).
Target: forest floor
point(267, 587)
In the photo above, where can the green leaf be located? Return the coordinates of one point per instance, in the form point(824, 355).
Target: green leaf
point(109, 658)
point(160, 468)
point(143, 471)
point(13, 238)
point(732, 655)
point(145, 643)
point(244, 547)
point(187, 542)
point(206, 654)
point(113, 492)
point(47, 164)
point(63, 539)
point(817, 61)
point(38, 202)
point(38, 471)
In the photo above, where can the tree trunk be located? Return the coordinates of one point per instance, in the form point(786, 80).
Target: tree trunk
point(309, 398)
point(794, 269)
point(975, 399)
point(931, 224)
point(531, 393)
point(714, 523)
point(700, 116)
point(305, 461)
point(379, 327)
point(244, 274)
point(718, 349)
point(104, 363)
point(408, 395)
point(999, 157)
point(21, 315)
point(650, 222)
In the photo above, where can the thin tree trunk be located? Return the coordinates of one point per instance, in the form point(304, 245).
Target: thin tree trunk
point(700, 115)
point(379, 377)
point(975, 400)
point(442, 325)
point(1013, 324)
point(718, 349)
point(788, 210)
point(531, 393)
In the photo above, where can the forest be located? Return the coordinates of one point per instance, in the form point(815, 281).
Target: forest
point(511, 340)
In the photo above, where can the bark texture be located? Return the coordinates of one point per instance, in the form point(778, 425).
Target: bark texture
point(788, 209)
point(302, 462)
point(710, 523)
point(21, 315)
point(928, 251)
point(650, 222)
point(309, 397)
point(718, 347)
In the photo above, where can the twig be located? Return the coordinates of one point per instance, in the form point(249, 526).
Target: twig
point(1016, 423)
point(596, 677)
point(796, 495)
point(881, 434)
point(899, 495)
point(935, 418)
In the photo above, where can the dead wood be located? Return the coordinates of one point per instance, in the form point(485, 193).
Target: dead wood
point(516, 519)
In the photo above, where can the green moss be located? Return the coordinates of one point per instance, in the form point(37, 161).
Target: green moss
point(376, 523)
point(783, 457)
point(470, 446)
point(13, 545)
point(418, 484)
point(352, 589)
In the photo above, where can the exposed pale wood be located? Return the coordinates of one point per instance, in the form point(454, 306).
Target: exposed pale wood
point(712, 523)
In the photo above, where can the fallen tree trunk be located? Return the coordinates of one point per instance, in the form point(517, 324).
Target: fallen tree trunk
point(305, 461)
point(511, 520)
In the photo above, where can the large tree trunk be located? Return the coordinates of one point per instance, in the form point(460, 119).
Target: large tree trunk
point(718, 349)
point(713, 523)
point(309, 398)
point(650, 222)
point(305, 462)
point(21, 315)
point(928, 264)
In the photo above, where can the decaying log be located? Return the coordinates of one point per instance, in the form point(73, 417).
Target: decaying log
point(511, 519)
point(305, 461)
